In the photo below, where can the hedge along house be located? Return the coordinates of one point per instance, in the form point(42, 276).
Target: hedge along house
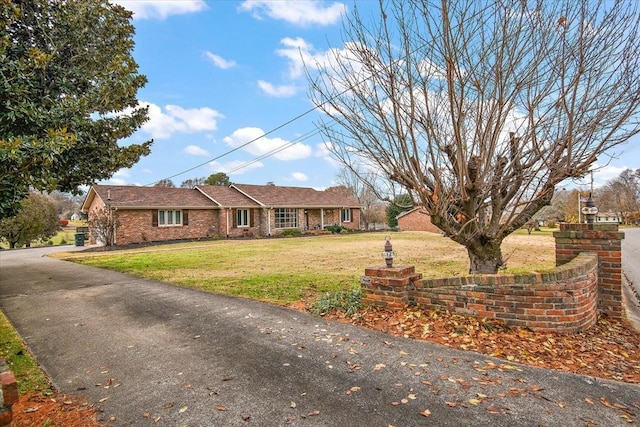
point(162, 214)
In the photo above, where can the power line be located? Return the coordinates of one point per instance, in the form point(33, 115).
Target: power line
point(275, 151)
point(299, 116)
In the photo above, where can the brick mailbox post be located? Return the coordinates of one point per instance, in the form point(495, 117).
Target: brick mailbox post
point(606, 241)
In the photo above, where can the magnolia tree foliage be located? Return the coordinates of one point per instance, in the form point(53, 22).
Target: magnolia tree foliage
point(68, 96)
point(479, 109)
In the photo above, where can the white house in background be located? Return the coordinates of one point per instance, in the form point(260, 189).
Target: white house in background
point(607, 217)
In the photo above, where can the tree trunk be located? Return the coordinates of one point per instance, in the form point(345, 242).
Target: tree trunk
point(485, 256)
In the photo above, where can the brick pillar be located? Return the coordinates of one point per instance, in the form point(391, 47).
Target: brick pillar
point(388, 286)
point(8, 394)
point(606, 241)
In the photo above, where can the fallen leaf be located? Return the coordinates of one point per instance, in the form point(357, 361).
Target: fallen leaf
point(452, 404)
point(311, 414)
point(379, 366)
point(183, 409)
point(220, 407)
point(293, 404)
point(168, 405)
point(425, 413)
point(475, 402)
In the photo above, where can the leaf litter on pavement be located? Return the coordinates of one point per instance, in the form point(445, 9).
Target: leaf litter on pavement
point(610, 349)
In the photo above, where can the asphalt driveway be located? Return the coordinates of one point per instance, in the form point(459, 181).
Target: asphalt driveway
point(149, 353)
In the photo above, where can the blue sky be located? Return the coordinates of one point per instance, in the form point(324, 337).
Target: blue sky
point(222, 73)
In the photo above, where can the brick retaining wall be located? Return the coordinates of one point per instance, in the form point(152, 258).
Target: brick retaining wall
point(562, 300)
point(587, 278)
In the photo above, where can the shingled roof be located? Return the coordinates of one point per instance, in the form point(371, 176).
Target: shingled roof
point(227, 197)
point(133, 197)
point(215, 197)
point(295, 197)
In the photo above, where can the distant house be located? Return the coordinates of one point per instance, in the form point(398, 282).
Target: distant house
point(416, 219)
point(608, 217)
point(239, 210)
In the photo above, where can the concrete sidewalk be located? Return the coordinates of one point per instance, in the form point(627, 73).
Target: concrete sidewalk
point(143, 351)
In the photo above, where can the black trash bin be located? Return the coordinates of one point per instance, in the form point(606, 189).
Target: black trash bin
point(79, 239)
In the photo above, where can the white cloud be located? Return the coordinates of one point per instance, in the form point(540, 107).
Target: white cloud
point(124, 173)
point(195, 150)
point(323, 150)
point(299, 54)
point(175, 119)
point(603, 174)
point(219, 61)
point(297, 12)
point(299, 176)
point(264, 145)
point(235, 167)
point(283, 91)
point(160, 9)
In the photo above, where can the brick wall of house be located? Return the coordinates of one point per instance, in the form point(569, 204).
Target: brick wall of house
point(563, 300)
point(312, 216)
point(417, 220)
point(136, 226)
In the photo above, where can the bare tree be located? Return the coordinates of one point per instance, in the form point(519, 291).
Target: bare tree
point(479, 109)
point(360, 183)
point(622, 195)
point(166, 183)
point(103, 223)
point(192, 182)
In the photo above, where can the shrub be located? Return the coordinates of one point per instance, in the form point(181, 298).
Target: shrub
point(63, 241)
point(292, 232)
point(335, 229)
point(349, 301)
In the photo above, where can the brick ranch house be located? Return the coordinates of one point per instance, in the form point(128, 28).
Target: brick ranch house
point(416, 219)
point(149, 214)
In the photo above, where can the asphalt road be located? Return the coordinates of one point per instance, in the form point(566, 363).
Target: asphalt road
point(152, 354)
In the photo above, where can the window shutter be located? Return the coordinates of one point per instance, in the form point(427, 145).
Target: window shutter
point(249, 212)
point(185, 217)
point(154, 218)
point(235, 218)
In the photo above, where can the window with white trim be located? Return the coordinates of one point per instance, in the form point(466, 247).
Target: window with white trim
point(169, 218)
point(345, 215)
point(286, 218)
point(242, 218)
